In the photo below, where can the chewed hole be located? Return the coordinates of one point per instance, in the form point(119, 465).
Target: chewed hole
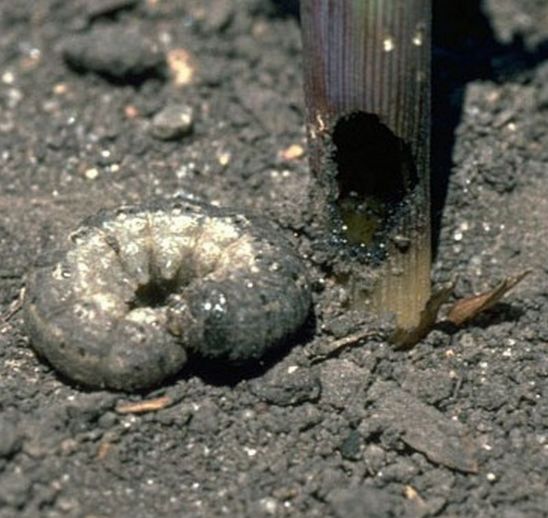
point(154, 294)
point(375, 171)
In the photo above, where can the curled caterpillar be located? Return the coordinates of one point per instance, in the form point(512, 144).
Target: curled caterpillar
point(133, 290)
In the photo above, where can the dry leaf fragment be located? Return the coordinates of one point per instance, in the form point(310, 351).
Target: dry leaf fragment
point(403, 337)
point(141, 407)
point(329, 349)
point(103, 450)
point(470, 307)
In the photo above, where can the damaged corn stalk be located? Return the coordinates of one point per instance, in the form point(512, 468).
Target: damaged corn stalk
point(367, 89)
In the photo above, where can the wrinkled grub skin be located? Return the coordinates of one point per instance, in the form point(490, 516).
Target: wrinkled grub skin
point(234, 442)
point(232, 289)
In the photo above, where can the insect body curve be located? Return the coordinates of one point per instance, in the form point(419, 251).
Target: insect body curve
point(132, 291)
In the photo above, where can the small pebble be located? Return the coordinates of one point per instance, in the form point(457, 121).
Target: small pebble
point(351, 447)
point(114, 52)
point(173, 122)
point(292, 152)
point(181, 66)
point(91, 174)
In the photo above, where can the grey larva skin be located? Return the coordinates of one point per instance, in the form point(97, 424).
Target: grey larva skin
point(129, 293)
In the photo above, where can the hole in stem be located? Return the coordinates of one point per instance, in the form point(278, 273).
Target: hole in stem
point(375, 172)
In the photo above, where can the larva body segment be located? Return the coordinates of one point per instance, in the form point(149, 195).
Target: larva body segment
point(257, 294)
point(133, 290)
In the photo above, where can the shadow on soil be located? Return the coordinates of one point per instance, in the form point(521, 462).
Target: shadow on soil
point(465, 49)
point(215, 372)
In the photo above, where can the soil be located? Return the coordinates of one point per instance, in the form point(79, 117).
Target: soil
point(456, 426)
